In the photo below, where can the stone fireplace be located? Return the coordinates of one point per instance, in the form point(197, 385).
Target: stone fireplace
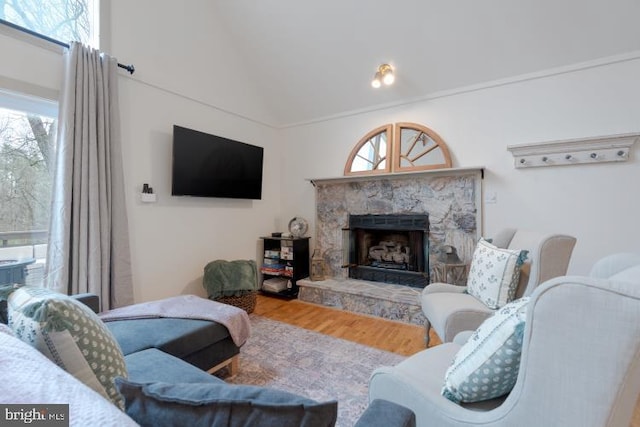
point(378, 268)
point(450, 199)
point(389, 248)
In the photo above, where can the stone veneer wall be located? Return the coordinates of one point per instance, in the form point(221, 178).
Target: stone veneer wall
point(451, 198)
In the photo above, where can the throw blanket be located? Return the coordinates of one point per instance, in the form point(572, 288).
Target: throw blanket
point(235, 319)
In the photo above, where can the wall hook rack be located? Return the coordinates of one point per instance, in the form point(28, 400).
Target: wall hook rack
point(612, 148)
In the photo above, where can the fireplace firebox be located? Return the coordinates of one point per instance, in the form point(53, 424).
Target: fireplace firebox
point(390, 248)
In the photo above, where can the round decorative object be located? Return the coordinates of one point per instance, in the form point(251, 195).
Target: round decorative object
point(298, 226)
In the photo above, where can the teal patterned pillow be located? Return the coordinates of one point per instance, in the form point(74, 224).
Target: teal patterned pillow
point(487, 365)
point(494, 274)
point(69, 334)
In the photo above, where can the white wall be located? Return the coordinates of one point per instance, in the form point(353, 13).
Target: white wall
point(173, 239)
point(183, 47)
point(184, 70)
point(35, 69)
point(174, 83)
point(598, 204)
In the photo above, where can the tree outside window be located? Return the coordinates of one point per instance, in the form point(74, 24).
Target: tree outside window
point(62, 20)
point(27, 143)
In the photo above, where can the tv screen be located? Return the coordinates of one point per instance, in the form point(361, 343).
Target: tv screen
point(206, 165)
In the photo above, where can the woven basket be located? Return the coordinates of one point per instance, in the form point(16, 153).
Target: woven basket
point(247, 302)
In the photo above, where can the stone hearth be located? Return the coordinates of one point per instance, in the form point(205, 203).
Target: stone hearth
point(389, 301)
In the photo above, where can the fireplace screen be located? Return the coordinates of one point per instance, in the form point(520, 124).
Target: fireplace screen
point(389, 248)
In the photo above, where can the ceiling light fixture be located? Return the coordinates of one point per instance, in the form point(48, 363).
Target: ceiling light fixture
point(383, 75)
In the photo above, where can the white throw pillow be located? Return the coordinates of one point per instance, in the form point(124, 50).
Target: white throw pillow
point(487, 365)
point(494, 274)
point(28, 377)
point(69, 334)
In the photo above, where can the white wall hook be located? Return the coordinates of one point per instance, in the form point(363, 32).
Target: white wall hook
point(613, 148)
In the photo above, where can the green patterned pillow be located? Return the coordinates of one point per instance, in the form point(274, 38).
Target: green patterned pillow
point(487, 365)
point(71, 335)
point(494, 274)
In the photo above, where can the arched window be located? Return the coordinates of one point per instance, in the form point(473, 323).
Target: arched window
point(405, 147)
point(371, 154)
point(417, 147)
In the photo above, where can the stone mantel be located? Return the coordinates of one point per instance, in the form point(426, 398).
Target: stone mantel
point(378, 176)
point(450, 197)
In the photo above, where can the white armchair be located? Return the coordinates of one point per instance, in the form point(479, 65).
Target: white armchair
point(580, 363)
point(448, 309)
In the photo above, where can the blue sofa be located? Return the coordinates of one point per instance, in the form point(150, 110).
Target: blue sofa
point(168, 383)
point(204, 344)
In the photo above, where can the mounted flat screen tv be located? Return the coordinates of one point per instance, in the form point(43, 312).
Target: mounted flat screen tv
point(206, 165)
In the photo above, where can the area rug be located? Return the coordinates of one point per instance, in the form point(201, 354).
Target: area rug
point(310, 364)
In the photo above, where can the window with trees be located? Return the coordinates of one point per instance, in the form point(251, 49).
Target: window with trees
point(62, 20)
point(27, 147)
point(28, 125)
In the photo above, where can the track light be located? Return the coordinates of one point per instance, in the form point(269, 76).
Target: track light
point(377, 81)
point(383, 75)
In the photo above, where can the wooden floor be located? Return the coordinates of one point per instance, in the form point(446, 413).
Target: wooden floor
point(372, 331)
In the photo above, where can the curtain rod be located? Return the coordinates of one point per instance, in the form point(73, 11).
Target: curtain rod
point(130, 68)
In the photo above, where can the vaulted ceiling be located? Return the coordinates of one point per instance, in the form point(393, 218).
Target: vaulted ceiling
point(315, 59)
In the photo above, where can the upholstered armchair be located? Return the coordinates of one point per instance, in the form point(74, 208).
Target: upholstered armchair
point(449, 309)
point(579, 363)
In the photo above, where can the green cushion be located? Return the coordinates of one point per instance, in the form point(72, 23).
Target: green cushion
point(487, 365)
point(69, 334)
point(494, 274)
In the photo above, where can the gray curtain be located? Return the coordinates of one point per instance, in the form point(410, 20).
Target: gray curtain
point(89, 238)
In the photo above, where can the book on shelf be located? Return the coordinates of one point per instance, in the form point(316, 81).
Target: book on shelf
point(286, 253)
point(273, 269)
point(272, 254)
point(288, 270)
point(275, 284)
